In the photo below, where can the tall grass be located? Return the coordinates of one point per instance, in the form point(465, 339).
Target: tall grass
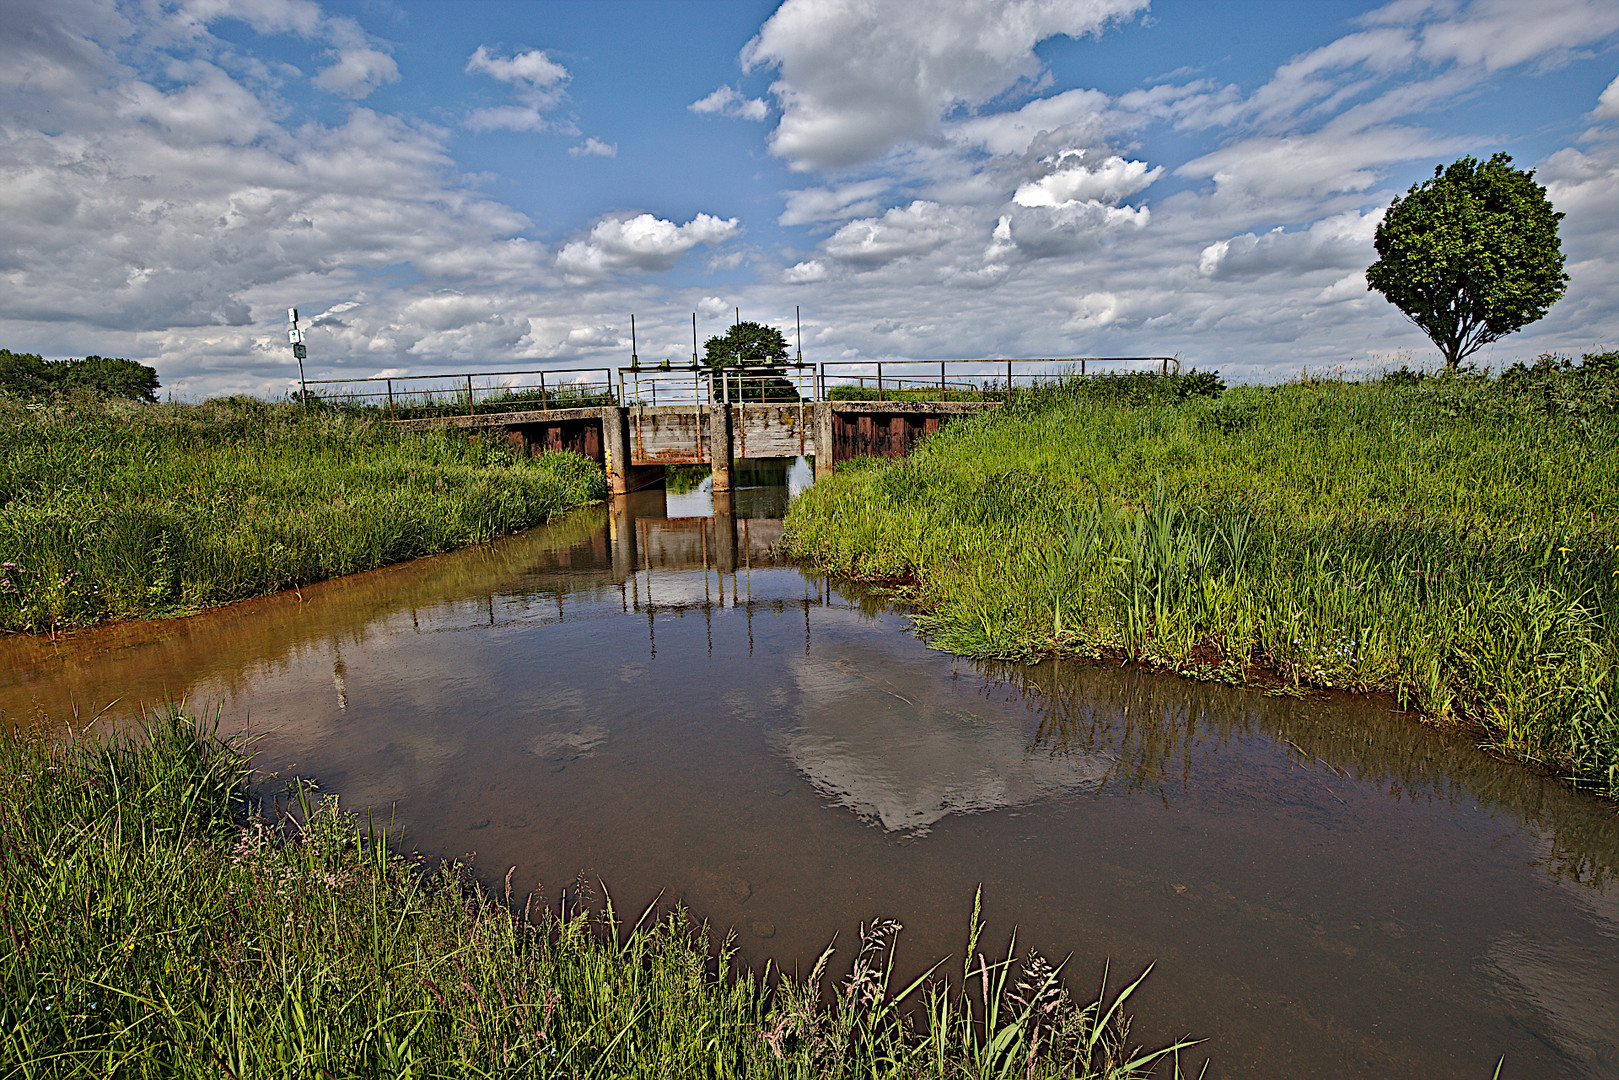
point(1452, 541)
point(154, 923)
point(119, 509)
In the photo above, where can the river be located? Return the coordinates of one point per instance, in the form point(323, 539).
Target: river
point(645, 694)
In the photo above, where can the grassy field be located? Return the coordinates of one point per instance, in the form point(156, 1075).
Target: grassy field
point(154, 922)
point(1450, 540)
point(116, 509)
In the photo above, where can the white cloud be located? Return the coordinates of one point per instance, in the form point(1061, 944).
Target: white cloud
point(1112, 181)
point(805, 272)
point(1076, 117)
point(1335, 243)
point(532, 70)
point(1315, 164)
point(1608, 104)
point(1496, 34)
point(594, 147)
point(854, 80)
point(902, 232)
point(357, 72)
point(809, 205)
point(728, 101)
point(642, 242)
point(538, 81)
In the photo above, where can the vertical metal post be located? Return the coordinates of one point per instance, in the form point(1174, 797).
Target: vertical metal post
point(469, 395)
point(390, 399)
point(1163, 367)
point(944, 395)
point(1082, 366)
point(621, 398)
point(1009, 380)
point(634, 360)
point(798, 340)
point(542, 390)
point(879, 380)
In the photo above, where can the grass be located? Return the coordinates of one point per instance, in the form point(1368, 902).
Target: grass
point(419, 404)
point(120, 509)
point(1452, 541)
point(155, 923)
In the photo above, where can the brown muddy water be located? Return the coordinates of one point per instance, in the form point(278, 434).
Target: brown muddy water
point(1327, 888)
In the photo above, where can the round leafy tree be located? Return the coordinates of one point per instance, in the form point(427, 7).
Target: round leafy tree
point(1470, 255)
point(745, 343)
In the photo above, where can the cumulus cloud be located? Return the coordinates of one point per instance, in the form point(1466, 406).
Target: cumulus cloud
point(1113, 180)
point(728, 101)
point(538, 82)
point(805, 272)
point(902, 232)
point(594, 147)
point(642, 242)
point(356, 72)
point(854, 80)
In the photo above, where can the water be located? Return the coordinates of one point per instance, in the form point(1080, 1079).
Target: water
point(1327, 888)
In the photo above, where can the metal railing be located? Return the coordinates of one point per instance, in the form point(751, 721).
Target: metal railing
point(472, 392)
point(786, 382)
point(965, 380)
point(696, 384)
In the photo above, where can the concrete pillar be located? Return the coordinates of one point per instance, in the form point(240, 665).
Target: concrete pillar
point(616, 449)
point(823, 438)
point(621, 532)
point(724, 531)
point(719, 444)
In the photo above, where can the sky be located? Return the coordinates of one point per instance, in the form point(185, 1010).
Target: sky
point(488, 185)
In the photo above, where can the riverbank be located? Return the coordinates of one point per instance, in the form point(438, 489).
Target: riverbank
point(118, 509)
point(156, 923)
point(1451, 541)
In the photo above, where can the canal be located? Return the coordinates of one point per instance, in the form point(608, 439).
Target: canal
point(647, 695)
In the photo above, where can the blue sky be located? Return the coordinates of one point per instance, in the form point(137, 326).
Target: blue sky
point(484, 185)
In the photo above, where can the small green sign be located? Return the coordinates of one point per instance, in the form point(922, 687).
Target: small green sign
point(299, 352)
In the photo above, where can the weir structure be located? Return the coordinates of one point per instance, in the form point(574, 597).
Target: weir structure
point(830, 412)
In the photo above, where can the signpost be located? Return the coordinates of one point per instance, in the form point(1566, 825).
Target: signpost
point(295, 335)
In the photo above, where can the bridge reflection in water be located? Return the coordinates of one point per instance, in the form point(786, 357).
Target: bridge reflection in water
point(645, 692)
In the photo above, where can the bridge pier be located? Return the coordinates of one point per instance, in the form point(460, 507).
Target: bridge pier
point(720, 451)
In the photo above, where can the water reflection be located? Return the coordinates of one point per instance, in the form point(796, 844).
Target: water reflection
point(644, 692)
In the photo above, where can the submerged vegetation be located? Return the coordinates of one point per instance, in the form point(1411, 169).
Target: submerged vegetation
point(1450, 540)
point(156, 922)
point(115, 509)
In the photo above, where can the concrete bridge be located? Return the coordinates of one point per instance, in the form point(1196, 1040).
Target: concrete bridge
point(783, 410)
point(637, 442)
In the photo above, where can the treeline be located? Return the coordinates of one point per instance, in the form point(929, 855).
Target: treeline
point(29, 375)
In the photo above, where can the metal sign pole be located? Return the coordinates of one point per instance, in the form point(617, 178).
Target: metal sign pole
point(295, 336)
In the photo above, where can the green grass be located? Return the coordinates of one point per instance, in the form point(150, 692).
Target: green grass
point(1452, 541)
point(420, 404)
point(154, 923)
point(121, 509)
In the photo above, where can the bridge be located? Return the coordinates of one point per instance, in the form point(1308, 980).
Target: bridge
point(830, 412)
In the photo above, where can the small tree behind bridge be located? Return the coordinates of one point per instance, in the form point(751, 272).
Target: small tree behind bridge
point(760, 348)
point(1471, 255)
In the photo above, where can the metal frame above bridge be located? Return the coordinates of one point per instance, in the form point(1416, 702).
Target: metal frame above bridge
point(786, 409)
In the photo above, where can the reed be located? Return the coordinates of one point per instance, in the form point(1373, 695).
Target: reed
point(119, 509)
point(155, 921)
point(1452, 541)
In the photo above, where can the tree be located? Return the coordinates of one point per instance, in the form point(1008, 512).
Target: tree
point(752, 345)
point(29, 375)
point(1470, 255)
point(748, 343)
point(112, 377)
